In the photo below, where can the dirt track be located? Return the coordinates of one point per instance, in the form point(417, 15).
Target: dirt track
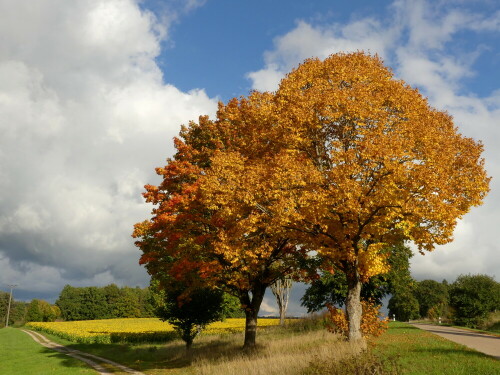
point(92, 360)
point(479, 341)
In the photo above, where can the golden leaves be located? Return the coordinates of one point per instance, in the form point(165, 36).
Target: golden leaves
point(371, 324)
point(393, 167)
point(342, 159)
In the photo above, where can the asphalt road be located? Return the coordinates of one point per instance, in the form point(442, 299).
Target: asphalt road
point(481, 342)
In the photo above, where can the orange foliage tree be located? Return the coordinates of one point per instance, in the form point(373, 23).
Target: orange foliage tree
point(392, 168)
point(217, 219)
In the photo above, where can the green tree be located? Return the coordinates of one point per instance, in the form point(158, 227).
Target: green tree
point(69, 302)
point(127, 305)
point(404, 306)
point(473, 297)
point(34, 312)
point(93, 304)
point(231, 307)
point(112, 294)
point(41, 311)
point(432, 296)
point(331, 289)
point(145, 303)
point(189, 313)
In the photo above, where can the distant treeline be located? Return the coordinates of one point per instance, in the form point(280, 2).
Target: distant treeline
point(88, 303)
point(468, 301)
point(111, 301)
point(81, 303)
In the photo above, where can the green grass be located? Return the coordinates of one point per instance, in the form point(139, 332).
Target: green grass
point(420, 352)
point(21, 355)
point(403, 347)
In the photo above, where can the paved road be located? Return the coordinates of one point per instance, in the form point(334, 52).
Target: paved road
point(90, 359)
point(481, 342)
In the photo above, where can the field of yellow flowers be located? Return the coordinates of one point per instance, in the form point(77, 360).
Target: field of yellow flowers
point(132, 330)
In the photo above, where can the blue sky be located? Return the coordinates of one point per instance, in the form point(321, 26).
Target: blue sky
point(92, 92)
point(216, 45)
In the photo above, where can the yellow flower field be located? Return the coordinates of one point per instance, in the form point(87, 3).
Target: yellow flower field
point(132, 330)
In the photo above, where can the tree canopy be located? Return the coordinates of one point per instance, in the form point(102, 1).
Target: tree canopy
point(85, 303)
point(343, 160)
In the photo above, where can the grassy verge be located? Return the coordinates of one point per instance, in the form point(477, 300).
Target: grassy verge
point(21, 355)
point(300, 349)
point(287, 350)
point(421, 353)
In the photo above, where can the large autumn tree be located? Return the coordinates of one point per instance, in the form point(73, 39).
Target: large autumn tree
point(392, 167)
point(343, 159)
point(217, 219)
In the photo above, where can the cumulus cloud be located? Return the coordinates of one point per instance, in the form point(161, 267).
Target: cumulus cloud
point(85, 115)
point(418, 39)
point(306, 41)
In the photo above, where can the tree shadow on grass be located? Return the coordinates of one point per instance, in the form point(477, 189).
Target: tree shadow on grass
point(64, 360)
point(169, 355)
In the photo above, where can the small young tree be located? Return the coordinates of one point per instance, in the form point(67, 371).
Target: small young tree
point(190, 312)
point(281, 290)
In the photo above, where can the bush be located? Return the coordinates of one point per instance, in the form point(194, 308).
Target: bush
point(371, 324)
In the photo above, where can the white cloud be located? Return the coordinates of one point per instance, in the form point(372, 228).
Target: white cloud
point(306, 41)
point(85, 116)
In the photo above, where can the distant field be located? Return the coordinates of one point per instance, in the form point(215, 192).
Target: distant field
point(132, 330)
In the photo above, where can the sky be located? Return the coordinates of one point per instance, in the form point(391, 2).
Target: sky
point(93, 91)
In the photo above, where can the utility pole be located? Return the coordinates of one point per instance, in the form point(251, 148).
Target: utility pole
point(11, 286)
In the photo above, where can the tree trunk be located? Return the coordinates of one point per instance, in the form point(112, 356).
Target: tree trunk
point(250, 328)
point(189, 344)
point(282, 317)
point(353, 306)
point(281, 290)
point(252, 307)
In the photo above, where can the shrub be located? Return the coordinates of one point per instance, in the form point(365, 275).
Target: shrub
point(371, 324)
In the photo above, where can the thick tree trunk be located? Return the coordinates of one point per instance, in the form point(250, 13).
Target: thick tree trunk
point(353, 306)
point(252, 307)
point(250, 328)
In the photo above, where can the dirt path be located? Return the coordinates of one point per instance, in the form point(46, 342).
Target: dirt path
point(479, 341)
point(92, 360)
